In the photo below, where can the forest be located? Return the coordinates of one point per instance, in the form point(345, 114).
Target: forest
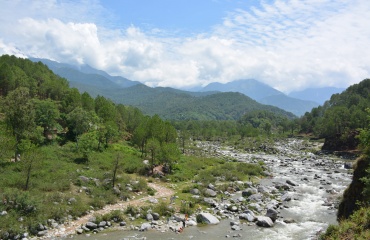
point(55, 140)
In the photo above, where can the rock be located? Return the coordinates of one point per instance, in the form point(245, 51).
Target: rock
point(210, 201)
point(116, 191)
point(145, 227)
point(237, 235)
point(195, 191)
point(292, 183)
point(286, 197)
point(256, 207)
point(211, 186)
point(348, 165)
point(232, 223)
point(264, 222)
point(91, 225)
point(241, 199)
point(42, 233)
point(155, 216)
point(210, 193)
point(85, 228)
point(40, 227)
point(149, 217)
point(122, 224)
point(233, 208)
point(79, 231)
point(191, 223)
point(235, 228)
point(102, 224)
point(255, 197)
point(281, 186)
point(207, 218)
point(248, 192)
point(3, 213)
point(84, 179)
point(272, 213)
point(289, 220)
point(262, 189)
point(248, 215)
point(153, 200)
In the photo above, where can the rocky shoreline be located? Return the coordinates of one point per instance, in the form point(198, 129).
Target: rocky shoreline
point(294, 175)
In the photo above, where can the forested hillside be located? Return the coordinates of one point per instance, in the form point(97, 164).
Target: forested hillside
point(168, 103)
point(65, 153)
point(54, 141)
point(339, 118)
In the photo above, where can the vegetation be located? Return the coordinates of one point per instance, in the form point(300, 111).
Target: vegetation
point(65, 153)
point(355, 220)
point(340, 117)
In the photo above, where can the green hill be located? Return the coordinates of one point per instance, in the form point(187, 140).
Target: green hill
point(167, 102)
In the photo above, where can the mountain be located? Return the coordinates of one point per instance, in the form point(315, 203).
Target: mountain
point(167, 102)
point(264, 94)
point(249, 87)
point(319, 95)
point(297, 106)
point(85, 74)
point(176, 104)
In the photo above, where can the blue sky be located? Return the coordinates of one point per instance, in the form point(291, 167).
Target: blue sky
point(288, 44)
point(180, 16)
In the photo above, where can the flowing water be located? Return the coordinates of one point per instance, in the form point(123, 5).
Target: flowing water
point(321, 181)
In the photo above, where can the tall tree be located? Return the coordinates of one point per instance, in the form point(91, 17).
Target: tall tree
point(19, 115)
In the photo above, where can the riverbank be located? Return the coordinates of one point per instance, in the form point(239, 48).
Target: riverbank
point(301, 195)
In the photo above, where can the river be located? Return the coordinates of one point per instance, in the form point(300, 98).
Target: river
point(320, 180)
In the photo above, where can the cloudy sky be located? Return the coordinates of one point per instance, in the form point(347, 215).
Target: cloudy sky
point(288, 44)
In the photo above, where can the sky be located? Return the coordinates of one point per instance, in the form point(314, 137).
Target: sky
point(288, 44)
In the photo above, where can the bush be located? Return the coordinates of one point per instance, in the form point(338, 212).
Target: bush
point(164, 209)
point(133, 211)
point(115, 216)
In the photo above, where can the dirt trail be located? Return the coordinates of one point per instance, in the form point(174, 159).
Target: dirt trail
point(70, 228)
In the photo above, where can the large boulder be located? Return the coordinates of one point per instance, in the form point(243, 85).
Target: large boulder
point(91, 225)
point(145, 227)
point(272, 213)
point(264, 221)
point(207, 218)
point(248, 215)
point(149, 217)
point(210, 193)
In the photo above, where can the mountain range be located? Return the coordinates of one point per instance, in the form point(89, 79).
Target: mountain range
point(179, 104)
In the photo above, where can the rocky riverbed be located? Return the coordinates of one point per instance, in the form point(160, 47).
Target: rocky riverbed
point(297, 199)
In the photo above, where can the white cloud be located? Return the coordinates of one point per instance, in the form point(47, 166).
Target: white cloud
point(288, 44)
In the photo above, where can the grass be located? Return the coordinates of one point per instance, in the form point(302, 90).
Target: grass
point(356, 227)
point(55, 179)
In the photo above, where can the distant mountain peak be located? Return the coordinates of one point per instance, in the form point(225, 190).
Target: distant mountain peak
point(249, 87)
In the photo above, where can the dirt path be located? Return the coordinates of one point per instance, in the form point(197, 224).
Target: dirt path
point(69, 229)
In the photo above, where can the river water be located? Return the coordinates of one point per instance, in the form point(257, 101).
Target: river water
point(321, 181)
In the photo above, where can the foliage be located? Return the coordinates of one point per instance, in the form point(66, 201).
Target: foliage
point(342, 113)
point(357, 227)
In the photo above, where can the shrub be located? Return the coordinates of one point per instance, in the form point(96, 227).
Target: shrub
point(164, 209)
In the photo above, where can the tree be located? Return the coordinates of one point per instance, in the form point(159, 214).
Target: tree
point(87, 102)
point(88, 142)
point(115, 168)
point(169, 154)
point(81, 121)
point(47, 115)
point(19, 115)
point(30, 161)
point(153, 147)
